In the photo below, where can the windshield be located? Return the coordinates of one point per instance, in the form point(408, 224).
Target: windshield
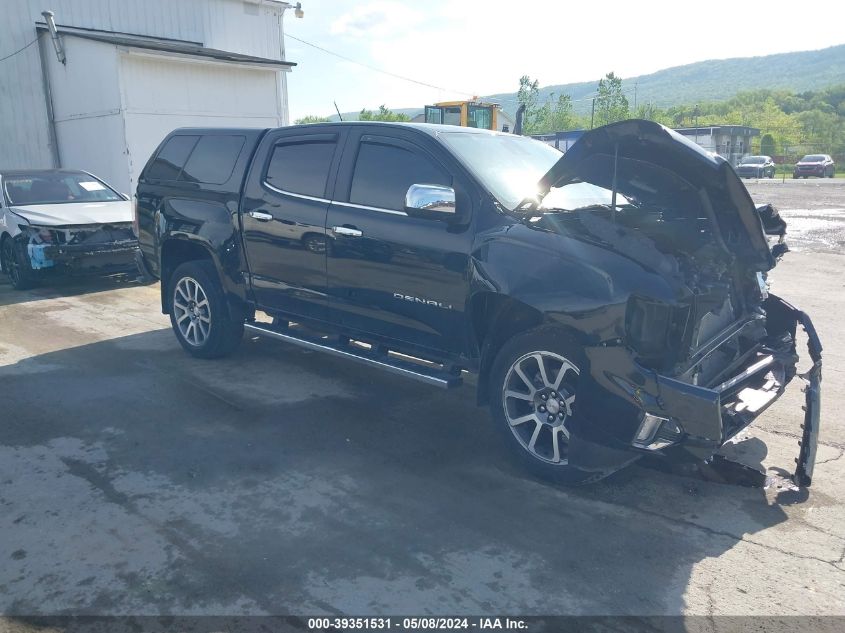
point(508, 166)
point(753, 160)
point(813, 158)
point(56, 188)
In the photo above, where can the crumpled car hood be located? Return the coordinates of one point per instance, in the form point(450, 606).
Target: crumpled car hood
point(76, 213)
point(653, 143)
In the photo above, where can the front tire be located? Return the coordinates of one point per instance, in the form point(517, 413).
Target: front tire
point(199, 313)
point(533, 388)
point(16, 265)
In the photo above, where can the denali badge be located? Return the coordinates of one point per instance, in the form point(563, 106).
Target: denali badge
point(428, 302)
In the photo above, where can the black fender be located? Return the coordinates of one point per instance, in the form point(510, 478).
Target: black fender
point(203, 229)
point(525, 277)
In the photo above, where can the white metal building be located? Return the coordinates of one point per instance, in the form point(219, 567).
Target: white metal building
point(133, 70)
point(731, 142)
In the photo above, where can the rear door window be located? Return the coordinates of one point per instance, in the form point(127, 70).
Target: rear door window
point(171, 159)
point(301, 167)
point(213, 159)
point(384, 172)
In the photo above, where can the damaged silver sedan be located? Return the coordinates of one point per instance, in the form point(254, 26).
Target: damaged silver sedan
point(62, 222)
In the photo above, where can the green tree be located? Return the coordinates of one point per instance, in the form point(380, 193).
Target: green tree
point(311, 118)
point(554, 115)
point(528, 95)
point(767, 145)
point(611, 104)
point(648, 112)
point(558, 115)
point(789, 123)
point(383, 114)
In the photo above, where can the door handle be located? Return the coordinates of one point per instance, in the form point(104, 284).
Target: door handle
point(261, 216)
point(348, 231)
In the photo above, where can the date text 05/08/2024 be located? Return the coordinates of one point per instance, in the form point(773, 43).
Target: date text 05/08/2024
point(416, 623)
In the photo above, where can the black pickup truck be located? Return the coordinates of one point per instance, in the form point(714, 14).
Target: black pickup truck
point(611, 301)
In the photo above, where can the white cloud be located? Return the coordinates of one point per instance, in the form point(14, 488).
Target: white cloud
point(377, 20)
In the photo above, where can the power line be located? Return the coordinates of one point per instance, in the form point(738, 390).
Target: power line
point(378, 70)
point(20, 50)
point(589, 97)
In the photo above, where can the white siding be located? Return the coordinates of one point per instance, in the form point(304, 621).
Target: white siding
point(96, 145)
point(87, 110)
point(187, 95)
point(24, 135)
point(250, 27)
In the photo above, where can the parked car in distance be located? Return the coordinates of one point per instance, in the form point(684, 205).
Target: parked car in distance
point(611, 300)
point(756, 167)
point(820, 165)
point(60, 221)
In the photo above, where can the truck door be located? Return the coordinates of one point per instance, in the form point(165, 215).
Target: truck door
point(391, 275)
point(284, 220)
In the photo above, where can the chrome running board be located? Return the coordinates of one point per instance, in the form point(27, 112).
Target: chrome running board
point(428, 374)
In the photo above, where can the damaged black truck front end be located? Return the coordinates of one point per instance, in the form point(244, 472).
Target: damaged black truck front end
point(685, 421)
point(688, 347)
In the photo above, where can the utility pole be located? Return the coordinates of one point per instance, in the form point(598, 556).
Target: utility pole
point(696, 112)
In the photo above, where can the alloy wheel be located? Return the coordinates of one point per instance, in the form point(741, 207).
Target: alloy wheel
point(192, 311)
point(538, 398)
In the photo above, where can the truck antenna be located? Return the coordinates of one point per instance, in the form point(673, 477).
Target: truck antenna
point(339, 115)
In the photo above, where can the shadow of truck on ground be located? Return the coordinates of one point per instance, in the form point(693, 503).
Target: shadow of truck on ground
point(136, 480)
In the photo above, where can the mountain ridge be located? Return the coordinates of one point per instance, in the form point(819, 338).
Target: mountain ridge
point(697, 82)
point(711, 80)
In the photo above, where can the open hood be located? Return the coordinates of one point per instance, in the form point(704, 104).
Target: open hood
point(655, 163)
point(76, 213)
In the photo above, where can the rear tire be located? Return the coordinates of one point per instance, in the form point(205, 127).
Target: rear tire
point(16, 265)
point(532, 418)
point(199, 313)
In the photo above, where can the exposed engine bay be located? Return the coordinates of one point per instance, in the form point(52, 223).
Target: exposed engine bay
point(651, 215)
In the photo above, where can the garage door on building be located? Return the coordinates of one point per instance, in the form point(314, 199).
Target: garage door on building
point(118, 96)
point(162, 93)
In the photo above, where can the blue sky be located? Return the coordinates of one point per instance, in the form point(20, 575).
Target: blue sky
point(482, 47)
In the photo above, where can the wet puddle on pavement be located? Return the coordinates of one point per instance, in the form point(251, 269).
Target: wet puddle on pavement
point(815, 229)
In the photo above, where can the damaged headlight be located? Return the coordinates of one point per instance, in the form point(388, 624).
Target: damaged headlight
point(39, 234)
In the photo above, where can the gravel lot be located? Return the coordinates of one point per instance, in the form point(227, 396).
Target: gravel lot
point(136, 480)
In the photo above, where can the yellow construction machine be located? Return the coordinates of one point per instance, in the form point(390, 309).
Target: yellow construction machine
point(471, 113)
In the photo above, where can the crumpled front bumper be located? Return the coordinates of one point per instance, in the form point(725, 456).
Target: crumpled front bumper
point(118, 255)
point(812, 404)
point(626, 410)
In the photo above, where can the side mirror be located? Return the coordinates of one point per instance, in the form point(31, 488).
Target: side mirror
point(431, 201)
